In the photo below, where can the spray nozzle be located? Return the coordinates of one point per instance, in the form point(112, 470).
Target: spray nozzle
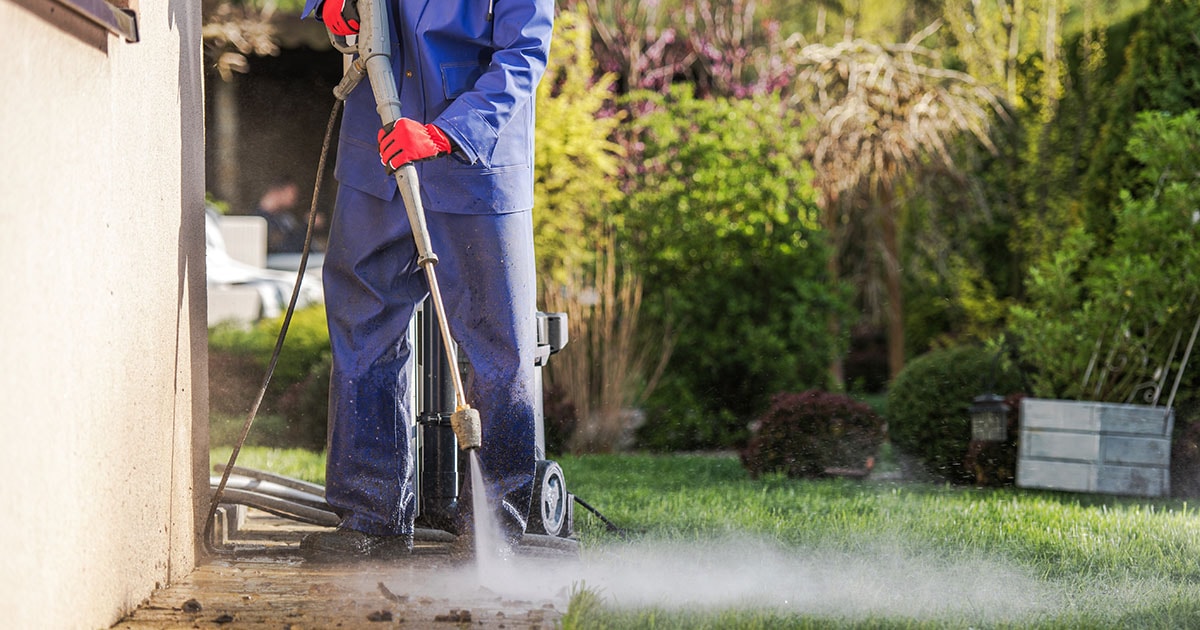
point(466, 426)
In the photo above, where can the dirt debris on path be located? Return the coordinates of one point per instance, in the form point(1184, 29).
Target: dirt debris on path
point(276, 588)
point(258, 594)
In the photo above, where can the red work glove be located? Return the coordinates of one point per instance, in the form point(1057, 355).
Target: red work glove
point(340, 17)
point(409, 141)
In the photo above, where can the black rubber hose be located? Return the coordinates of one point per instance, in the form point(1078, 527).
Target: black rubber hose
point(611, 526)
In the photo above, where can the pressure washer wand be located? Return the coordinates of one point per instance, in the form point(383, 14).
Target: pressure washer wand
point(373, 50)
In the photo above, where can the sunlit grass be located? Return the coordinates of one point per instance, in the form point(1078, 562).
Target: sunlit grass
point(1116, 562)
point(291, 462)
point(692, 496)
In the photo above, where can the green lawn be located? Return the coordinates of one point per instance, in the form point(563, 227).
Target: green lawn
point(707, 547)
point(292, 462)
point(855, 554)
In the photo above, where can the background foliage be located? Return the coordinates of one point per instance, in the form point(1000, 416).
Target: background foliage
point(675, 129)
point(722, 227)
point(1109, 323)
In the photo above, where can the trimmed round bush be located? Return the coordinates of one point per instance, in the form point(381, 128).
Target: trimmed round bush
point(927, 406)
point(813, 434)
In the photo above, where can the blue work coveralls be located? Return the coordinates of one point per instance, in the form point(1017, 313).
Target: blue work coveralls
point(474, 74)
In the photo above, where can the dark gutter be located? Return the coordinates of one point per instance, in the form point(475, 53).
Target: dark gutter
point(123, 22)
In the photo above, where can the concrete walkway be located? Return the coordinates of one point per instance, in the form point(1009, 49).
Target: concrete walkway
point(266, 584)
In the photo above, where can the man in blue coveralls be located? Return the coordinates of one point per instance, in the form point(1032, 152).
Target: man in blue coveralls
point(467, 71)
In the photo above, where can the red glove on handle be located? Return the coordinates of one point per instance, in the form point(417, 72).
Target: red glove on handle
point(340, 17)
point(409, 141)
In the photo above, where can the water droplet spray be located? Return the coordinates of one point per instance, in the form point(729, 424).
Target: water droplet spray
point(487, 535)
point(488, 544)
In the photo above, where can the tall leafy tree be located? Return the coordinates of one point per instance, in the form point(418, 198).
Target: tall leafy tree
point(1160, 74)
point(1024, 197)
point(882, 112)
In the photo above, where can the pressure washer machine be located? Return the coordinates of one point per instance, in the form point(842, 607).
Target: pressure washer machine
point(440, 463)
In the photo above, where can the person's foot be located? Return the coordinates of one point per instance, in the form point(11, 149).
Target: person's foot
point(348, 544)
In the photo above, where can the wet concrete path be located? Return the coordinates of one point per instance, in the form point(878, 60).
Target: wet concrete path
point(266, 584)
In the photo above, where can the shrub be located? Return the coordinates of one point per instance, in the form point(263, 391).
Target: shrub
point(305, 404)
point(233, 381)
point(722, 225)
point(928, 401)
point(306, 345)
point(808, 434)
point(298, 392)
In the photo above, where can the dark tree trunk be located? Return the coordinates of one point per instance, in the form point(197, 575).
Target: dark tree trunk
point(891, 261)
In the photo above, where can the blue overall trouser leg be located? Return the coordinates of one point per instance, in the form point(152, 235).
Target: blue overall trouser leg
point(372, 287)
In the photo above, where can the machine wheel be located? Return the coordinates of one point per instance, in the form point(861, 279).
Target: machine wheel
point(548, 510)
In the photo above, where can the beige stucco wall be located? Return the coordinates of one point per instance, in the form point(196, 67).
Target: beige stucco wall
point(102, 316)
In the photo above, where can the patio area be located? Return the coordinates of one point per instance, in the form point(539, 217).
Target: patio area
point(261, 581)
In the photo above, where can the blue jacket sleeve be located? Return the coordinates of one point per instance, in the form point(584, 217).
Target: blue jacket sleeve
point(521, 35)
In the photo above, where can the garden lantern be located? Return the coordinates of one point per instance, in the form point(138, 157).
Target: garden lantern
point(989, 418)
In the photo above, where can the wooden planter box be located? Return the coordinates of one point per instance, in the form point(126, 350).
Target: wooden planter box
point(1106, 448)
